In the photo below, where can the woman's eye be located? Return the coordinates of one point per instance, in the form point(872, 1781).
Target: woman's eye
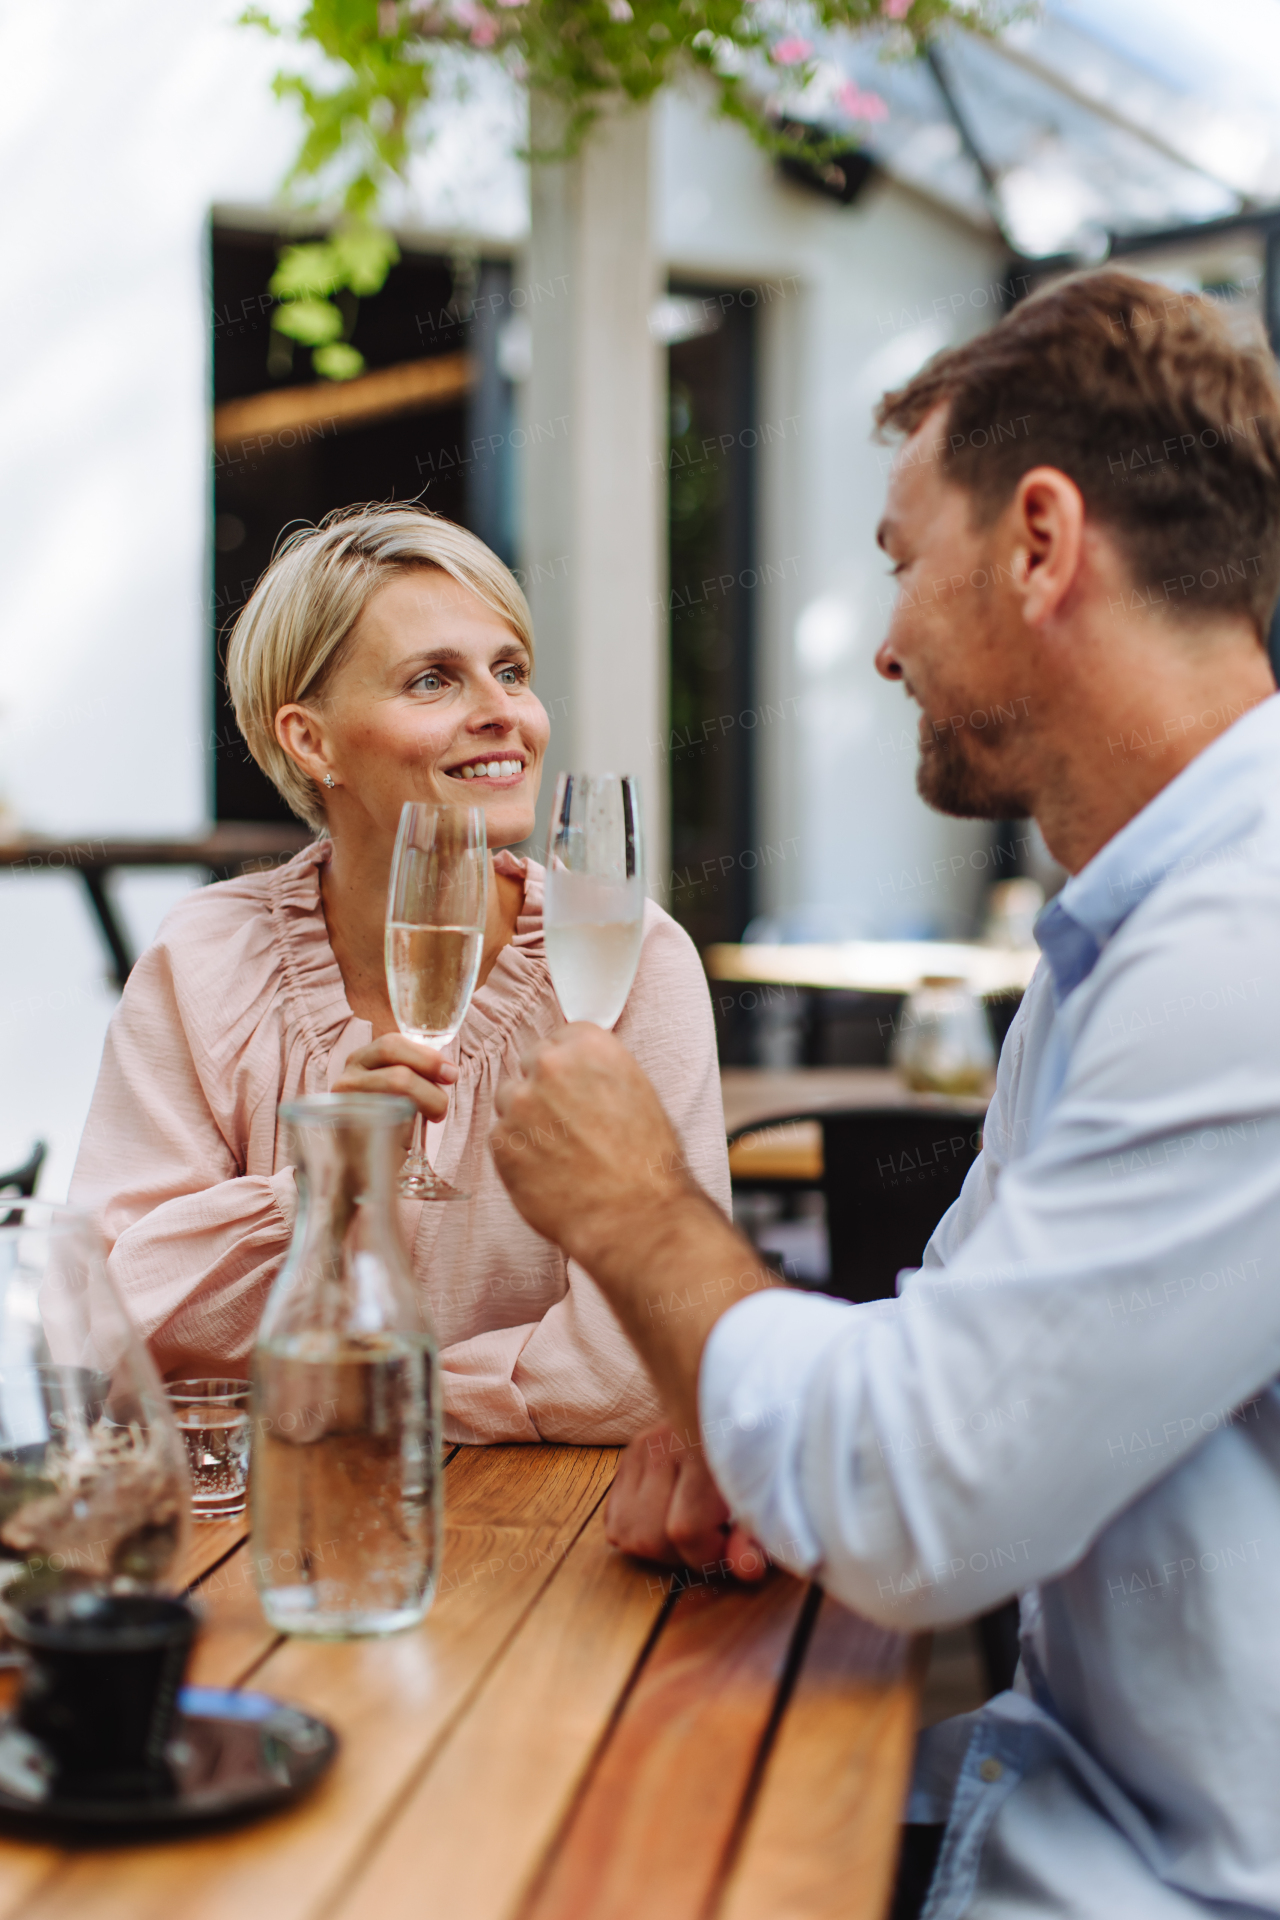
point(430, 682)
point(512, 676)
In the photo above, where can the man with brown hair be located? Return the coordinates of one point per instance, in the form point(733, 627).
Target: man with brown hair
point(1074, 1398)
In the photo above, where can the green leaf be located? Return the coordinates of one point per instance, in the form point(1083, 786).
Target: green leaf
point(314, 270)
point(366, 255)
point(338, 361)
point(312, 322)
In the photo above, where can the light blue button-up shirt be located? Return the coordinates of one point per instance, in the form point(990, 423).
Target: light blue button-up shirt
point(1075, 1397)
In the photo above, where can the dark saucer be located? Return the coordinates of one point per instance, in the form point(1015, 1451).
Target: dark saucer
point(231, 1755)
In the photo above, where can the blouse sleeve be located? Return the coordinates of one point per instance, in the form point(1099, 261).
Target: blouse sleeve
point(194, 1242)
point(574, 1375)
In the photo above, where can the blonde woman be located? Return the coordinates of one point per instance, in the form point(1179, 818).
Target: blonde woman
point(384, 656)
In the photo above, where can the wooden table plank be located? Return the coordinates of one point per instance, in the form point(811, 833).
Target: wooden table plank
point(208, 1543)
point(513, 1514)
point(821, 1839)
point(488, 1810)
point(653, 1827)
point(235, 1638)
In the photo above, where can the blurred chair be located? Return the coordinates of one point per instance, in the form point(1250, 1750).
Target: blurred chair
point(888, 1174)
point(21, 1183)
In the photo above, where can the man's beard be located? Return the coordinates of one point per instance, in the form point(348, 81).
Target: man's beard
point(950, 783)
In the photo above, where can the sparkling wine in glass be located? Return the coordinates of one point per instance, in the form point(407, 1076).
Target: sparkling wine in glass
point(436, 904)
point(593, 911)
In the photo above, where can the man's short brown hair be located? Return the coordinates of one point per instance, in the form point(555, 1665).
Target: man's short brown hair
point(1169, 427)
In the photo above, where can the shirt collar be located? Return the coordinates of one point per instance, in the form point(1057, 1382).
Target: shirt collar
point(1211, 803)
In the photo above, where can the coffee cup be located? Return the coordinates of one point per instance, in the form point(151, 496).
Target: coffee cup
point(100, 1687)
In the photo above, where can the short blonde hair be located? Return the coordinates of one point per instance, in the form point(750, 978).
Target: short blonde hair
point(294, 627)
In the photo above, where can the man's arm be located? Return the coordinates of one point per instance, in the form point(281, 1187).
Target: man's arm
point(936, 1453)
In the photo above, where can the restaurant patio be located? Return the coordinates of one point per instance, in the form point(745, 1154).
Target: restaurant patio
point(641, 366)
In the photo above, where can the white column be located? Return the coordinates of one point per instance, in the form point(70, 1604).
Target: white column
point(592, 483)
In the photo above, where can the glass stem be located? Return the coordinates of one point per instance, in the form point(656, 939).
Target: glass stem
point(418, 1145)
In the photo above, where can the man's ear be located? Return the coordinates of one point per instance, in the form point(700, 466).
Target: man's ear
point(1048, 541)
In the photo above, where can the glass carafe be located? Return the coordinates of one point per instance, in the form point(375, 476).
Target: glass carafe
point(943, 1043)
point(94, 1490)
point(345, 1469)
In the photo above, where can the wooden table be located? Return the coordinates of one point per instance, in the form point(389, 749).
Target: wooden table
point(564, 1738)
point(792, 1151)
point(232, 848)
point(759, 1094)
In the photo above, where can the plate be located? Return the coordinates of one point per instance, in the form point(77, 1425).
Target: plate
point(231, 1755)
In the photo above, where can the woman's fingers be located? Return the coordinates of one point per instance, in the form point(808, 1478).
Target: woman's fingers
point(397, 1050)
point(361, 1075)
point(395, 1064)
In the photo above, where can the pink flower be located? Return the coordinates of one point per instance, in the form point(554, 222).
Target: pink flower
point(859, 105)
point(790, 52)
point(895, 9)
point(481, 26)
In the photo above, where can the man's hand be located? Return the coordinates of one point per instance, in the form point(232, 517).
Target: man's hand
point(665, 1506)
point(582, 1140)
point(591, 1160)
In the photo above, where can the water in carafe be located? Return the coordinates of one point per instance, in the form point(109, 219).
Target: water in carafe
point(345, 1478)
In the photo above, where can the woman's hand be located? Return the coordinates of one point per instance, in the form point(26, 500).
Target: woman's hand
point(396, 1064)
point(665, 1506)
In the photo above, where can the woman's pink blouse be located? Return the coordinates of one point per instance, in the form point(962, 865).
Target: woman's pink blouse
point(239, 1005)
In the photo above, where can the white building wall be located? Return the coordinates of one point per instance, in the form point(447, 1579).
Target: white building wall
point(125, 122)
point(852, 300)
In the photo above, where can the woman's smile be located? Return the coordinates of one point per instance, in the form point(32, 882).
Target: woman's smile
point(502, 769)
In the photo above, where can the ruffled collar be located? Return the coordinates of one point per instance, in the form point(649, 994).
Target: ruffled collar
point(313, 978)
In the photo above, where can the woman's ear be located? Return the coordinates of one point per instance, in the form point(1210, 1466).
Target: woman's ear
point(303, 738)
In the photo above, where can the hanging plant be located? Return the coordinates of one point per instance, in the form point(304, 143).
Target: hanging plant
point(763, 61)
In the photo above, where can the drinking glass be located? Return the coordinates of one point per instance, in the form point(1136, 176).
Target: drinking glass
point(93, 1476)
point(593, 910)
point(213, 1419)
point(436, 905)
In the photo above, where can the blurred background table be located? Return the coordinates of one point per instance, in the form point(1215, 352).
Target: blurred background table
point(839, 1005)
point(232, 848)
point(876, 966)
point(564, 1738)
point(755, 1095)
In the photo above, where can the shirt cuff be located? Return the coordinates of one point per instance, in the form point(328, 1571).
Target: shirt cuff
point(757, 1366)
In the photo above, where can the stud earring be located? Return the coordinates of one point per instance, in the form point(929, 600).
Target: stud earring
point(329, 780)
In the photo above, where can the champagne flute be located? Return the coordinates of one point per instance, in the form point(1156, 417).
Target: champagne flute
point(593, 911)
point(436, 904)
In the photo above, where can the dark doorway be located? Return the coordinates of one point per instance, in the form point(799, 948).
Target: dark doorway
point(453, 456)
point(711, 472)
